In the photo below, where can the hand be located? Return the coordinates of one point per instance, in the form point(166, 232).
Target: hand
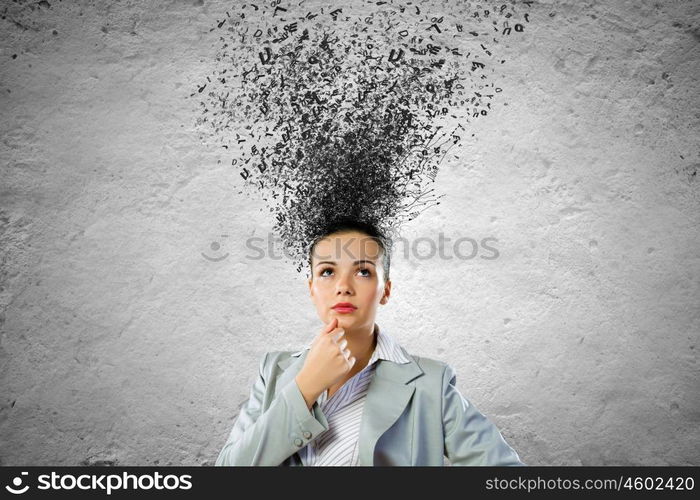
point(327, 362)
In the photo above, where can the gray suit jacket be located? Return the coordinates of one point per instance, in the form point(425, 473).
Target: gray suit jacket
point(413, 415)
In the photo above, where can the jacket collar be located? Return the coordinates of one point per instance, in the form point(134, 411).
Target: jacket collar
point(388, 393)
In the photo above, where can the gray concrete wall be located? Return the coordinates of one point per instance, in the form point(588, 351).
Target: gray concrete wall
point(120, 343)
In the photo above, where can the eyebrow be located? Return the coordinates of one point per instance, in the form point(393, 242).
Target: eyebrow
point(354, 263)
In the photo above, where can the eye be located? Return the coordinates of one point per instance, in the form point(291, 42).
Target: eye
point(369, 273)
point(322, 273)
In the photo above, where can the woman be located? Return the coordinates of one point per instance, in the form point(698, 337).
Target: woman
point(354, 396)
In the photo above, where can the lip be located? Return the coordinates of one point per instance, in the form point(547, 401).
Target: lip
point(344, 307)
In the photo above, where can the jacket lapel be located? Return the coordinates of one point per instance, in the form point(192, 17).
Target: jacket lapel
point(387, 398)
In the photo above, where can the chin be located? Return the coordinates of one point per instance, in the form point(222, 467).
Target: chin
point(345, 320)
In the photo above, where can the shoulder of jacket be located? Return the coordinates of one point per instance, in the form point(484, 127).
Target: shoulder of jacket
point(269, 360)
point(433, 368)
point(278, 355)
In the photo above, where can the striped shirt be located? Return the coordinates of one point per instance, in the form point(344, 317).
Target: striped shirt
point(339, 445)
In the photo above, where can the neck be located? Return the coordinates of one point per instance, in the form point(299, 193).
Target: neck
point(361, 342)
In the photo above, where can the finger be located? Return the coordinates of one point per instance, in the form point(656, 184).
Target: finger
point(343, 344)
point(331, 326)
point(346, 353)
point(352, 361)
point(338, 335)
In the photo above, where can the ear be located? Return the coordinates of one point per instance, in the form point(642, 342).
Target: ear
point(387, 293)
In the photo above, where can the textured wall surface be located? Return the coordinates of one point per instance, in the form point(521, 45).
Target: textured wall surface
point(121, 344)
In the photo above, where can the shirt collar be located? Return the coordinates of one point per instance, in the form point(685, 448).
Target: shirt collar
point(387, 348)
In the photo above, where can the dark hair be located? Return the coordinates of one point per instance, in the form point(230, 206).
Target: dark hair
point(344, 225)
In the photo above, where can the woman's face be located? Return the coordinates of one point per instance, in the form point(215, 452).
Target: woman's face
point(347, 267)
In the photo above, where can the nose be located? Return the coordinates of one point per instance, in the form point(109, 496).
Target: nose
point(343, 286)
